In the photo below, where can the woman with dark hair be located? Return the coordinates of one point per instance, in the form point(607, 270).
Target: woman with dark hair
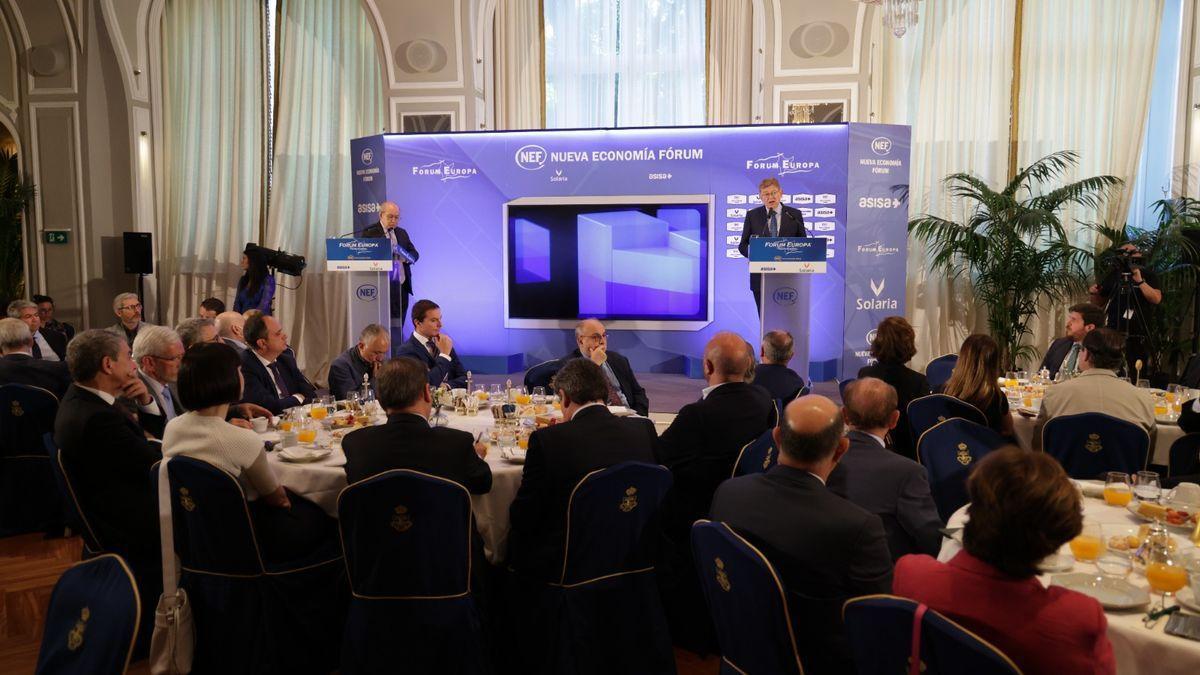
point(210, 379)
point(1023, 508)
point(893, 346)
point(976, 380)
point(256, 288)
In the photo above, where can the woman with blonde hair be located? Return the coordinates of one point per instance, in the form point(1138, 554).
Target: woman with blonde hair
point(975, 380)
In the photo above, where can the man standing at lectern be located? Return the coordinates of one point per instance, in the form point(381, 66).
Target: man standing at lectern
point(772, 219)
point(400, 280)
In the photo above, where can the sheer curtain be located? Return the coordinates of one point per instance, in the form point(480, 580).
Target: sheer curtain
point(581, 63)
point(729, 68)
point(519, 82)
point(212, 148)
point(330, 90)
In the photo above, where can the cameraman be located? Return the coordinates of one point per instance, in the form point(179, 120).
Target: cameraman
point(1131, 313)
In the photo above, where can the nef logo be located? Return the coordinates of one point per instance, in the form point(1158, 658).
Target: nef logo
point(367, 292)
point(881, 145)
point(531, 157)
point(367, 156)
point(784, 296)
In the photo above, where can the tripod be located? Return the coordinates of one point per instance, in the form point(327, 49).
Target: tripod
point(1131, 313)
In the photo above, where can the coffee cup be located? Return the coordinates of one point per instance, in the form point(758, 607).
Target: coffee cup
point(1186, 493)
point(259, 424)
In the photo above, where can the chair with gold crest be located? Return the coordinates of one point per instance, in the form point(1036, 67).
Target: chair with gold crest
point(757, 456)
point(1090, 444)
point(91, 620)
point(29, 498)
point(949, 451)
point(927, 411)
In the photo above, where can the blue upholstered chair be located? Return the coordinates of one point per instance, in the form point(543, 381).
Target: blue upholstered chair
point(408, 538)
point(1090, 444)
point(1184, 460)
point(949, 451)
point(747, 602)
point(92, 619)
point(757, 456)
point(927, 411)
point(541, 374)
point(938, 370)
point(29, 499)
point(75, 516)
point(250, 616)
point(947, 647)
point(842, 384)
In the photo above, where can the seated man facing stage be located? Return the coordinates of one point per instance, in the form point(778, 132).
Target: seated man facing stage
point(824, 548)
point(17, 366)
point(229, 327)
point(45, 305)
point(592, 343)
point(429, 345)
point(273, 380)
point(47, 345)
point(128, 309)
point(347, 371)
point(157, 351)
point(772, 219)
point(210, 308)
point(589, 438)
point(773, 373)
point(195, 331)
point(1063, 354)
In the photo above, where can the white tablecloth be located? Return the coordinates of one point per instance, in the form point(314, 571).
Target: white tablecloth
point(1160, 448)
point(1136, 648)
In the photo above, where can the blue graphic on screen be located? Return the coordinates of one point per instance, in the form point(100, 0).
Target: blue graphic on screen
point(613, 261)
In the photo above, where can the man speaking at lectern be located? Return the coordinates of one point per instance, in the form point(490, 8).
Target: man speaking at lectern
point(400, 280)
point(772, 219)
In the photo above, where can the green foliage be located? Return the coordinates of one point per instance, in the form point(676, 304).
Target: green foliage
point(1012, 246)
point(15, 195)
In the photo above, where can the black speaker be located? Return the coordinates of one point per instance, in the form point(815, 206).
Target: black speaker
point(139, 253)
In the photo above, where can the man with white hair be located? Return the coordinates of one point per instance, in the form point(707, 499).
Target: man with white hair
point(128, 309)
point(404, 254)
point(196, 330)
point(347, 371)
point(18, 366)
point(229, 327)
point(158, 351)
point(48, 346)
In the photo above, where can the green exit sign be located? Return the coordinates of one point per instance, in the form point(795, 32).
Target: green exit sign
point(54, 236)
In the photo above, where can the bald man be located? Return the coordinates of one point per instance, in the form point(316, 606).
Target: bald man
point(591, 342)
point(404, 254)
point(230, 326)
point(824, 548)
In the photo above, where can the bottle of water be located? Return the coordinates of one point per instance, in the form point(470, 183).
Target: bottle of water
point(366, 394)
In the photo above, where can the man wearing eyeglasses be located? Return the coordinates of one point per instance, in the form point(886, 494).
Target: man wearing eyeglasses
point(158, 351)
point(404, 254)
point(128, 309)
point(623, 388)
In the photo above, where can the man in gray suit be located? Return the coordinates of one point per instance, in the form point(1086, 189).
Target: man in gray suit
point(887, 484)
point(158, 351)
point(128, 308)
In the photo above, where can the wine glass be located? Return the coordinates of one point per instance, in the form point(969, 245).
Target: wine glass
point(496, 393)
point(1010, 379)
point(1117, 491)
point(1147, 487)
point(1088, 545)
point(539, 396)
point(1164, 572)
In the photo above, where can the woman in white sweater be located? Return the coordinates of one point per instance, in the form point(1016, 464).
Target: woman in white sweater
point(210, 379)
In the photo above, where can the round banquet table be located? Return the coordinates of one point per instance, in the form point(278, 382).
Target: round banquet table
point(1160, 446)
point(1135, 648)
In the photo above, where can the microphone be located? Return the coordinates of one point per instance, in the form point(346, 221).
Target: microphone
point(803, 229)
point(351, 233)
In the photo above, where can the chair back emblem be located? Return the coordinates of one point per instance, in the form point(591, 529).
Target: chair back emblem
point(1093, 443)
point(722, 578)
point(964, 454)
point(186, 501)
point(941, 418)
point(401, 521)
point(921, 667)
point(630, 501)
point(767, 459)
point(75, 637)
point(17, 410)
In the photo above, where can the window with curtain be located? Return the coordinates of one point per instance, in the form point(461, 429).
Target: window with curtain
point(623, 63)
point(1155, 166)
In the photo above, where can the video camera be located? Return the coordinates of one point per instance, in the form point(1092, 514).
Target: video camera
point(1125, 261)
point(287, 263)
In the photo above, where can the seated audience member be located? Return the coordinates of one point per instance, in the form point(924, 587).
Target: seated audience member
point(892, 487)
point(429, 345)
point(288, 527)
point(407, 441)
point(1097, 388)
point(194, 331)
point(273, 380)
point(362, 360)
point(773, 373)
point(589, 438)
point(976, 380)
point(210, 308)
point(17, 365)
point(128, 309)
point(45, 305)
point(824, 548)
point(48, 346)
point(591, 340)
point(893, 346)
point(157, 351)
point(1063, 354)
point(1023, 508)
point(230, 326)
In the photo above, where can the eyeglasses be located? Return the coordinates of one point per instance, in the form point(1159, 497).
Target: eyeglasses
point(131, 307)
point(169, 358)
point(596, 336)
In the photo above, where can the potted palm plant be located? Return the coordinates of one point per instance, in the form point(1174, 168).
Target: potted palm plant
point(1012, 246)
point(15, 195)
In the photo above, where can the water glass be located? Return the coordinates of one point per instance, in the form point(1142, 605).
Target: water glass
point(496, 393)
point(1114, 566)
point(1147, 486)
point(1143, 383)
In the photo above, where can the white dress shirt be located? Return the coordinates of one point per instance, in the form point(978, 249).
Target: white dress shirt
point(48, 353)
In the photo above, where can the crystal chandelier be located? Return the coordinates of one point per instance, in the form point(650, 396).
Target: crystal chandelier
point(898, 15)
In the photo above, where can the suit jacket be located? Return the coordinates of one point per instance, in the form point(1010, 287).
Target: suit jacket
point(260, 385)
point(52, 376)
point(62, 327)
point(346, 373)
point(155, 425)
point(1096, 390)
point(779, 381)
point(892, 487)
point(450, 371)
point(1055, 353)
point(57, 342)
point(701, 446)
point(119, 329)
point(236, 344)
point(909, 384)
point(408, 442)
point(1043, 629)
point(559, 457)
point(824, 549)
point(109, 461)
point(634, 393)
point(791, 224)
point(403, 241)
point(1189, 418)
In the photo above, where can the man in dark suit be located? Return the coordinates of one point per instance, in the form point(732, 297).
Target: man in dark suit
point(429, 345)
point(230, 328)
point(404, 254)
point(623, 389)
point(772, 219)
point(773, 373)
point(589, 438)
point(47, 345)
point(824, 548)
point(892, 487)
point(348, 369)
point(158, 351)
point(45, 306)
point(273, 380)
point(17, 366)
point(1063, 354)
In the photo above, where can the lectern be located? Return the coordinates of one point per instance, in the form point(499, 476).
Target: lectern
point(367, 263)
point(787, 265)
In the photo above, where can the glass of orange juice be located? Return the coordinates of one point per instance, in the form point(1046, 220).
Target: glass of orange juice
point(1089, 544)
point(1117, 491)
point(307, 433)
point(318, 412)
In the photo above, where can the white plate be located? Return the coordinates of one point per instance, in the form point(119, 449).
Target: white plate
point(1110, 593)
point(1187, 525)
point(1056, 562)
point(300, 454)
point(513, 456)
point(1186, 598)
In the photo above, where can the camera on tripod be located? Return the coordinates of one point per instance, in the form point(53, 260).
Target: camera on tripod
point(1124, 261)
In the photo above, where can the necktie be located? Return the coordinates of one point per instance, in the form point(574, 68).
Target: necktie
point(37, 351)
point(773, 225)
point(398, 264)
point(433, 349)
point(279, 381)
point(168, 403)
point(1072, 357)
point(614, 396)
